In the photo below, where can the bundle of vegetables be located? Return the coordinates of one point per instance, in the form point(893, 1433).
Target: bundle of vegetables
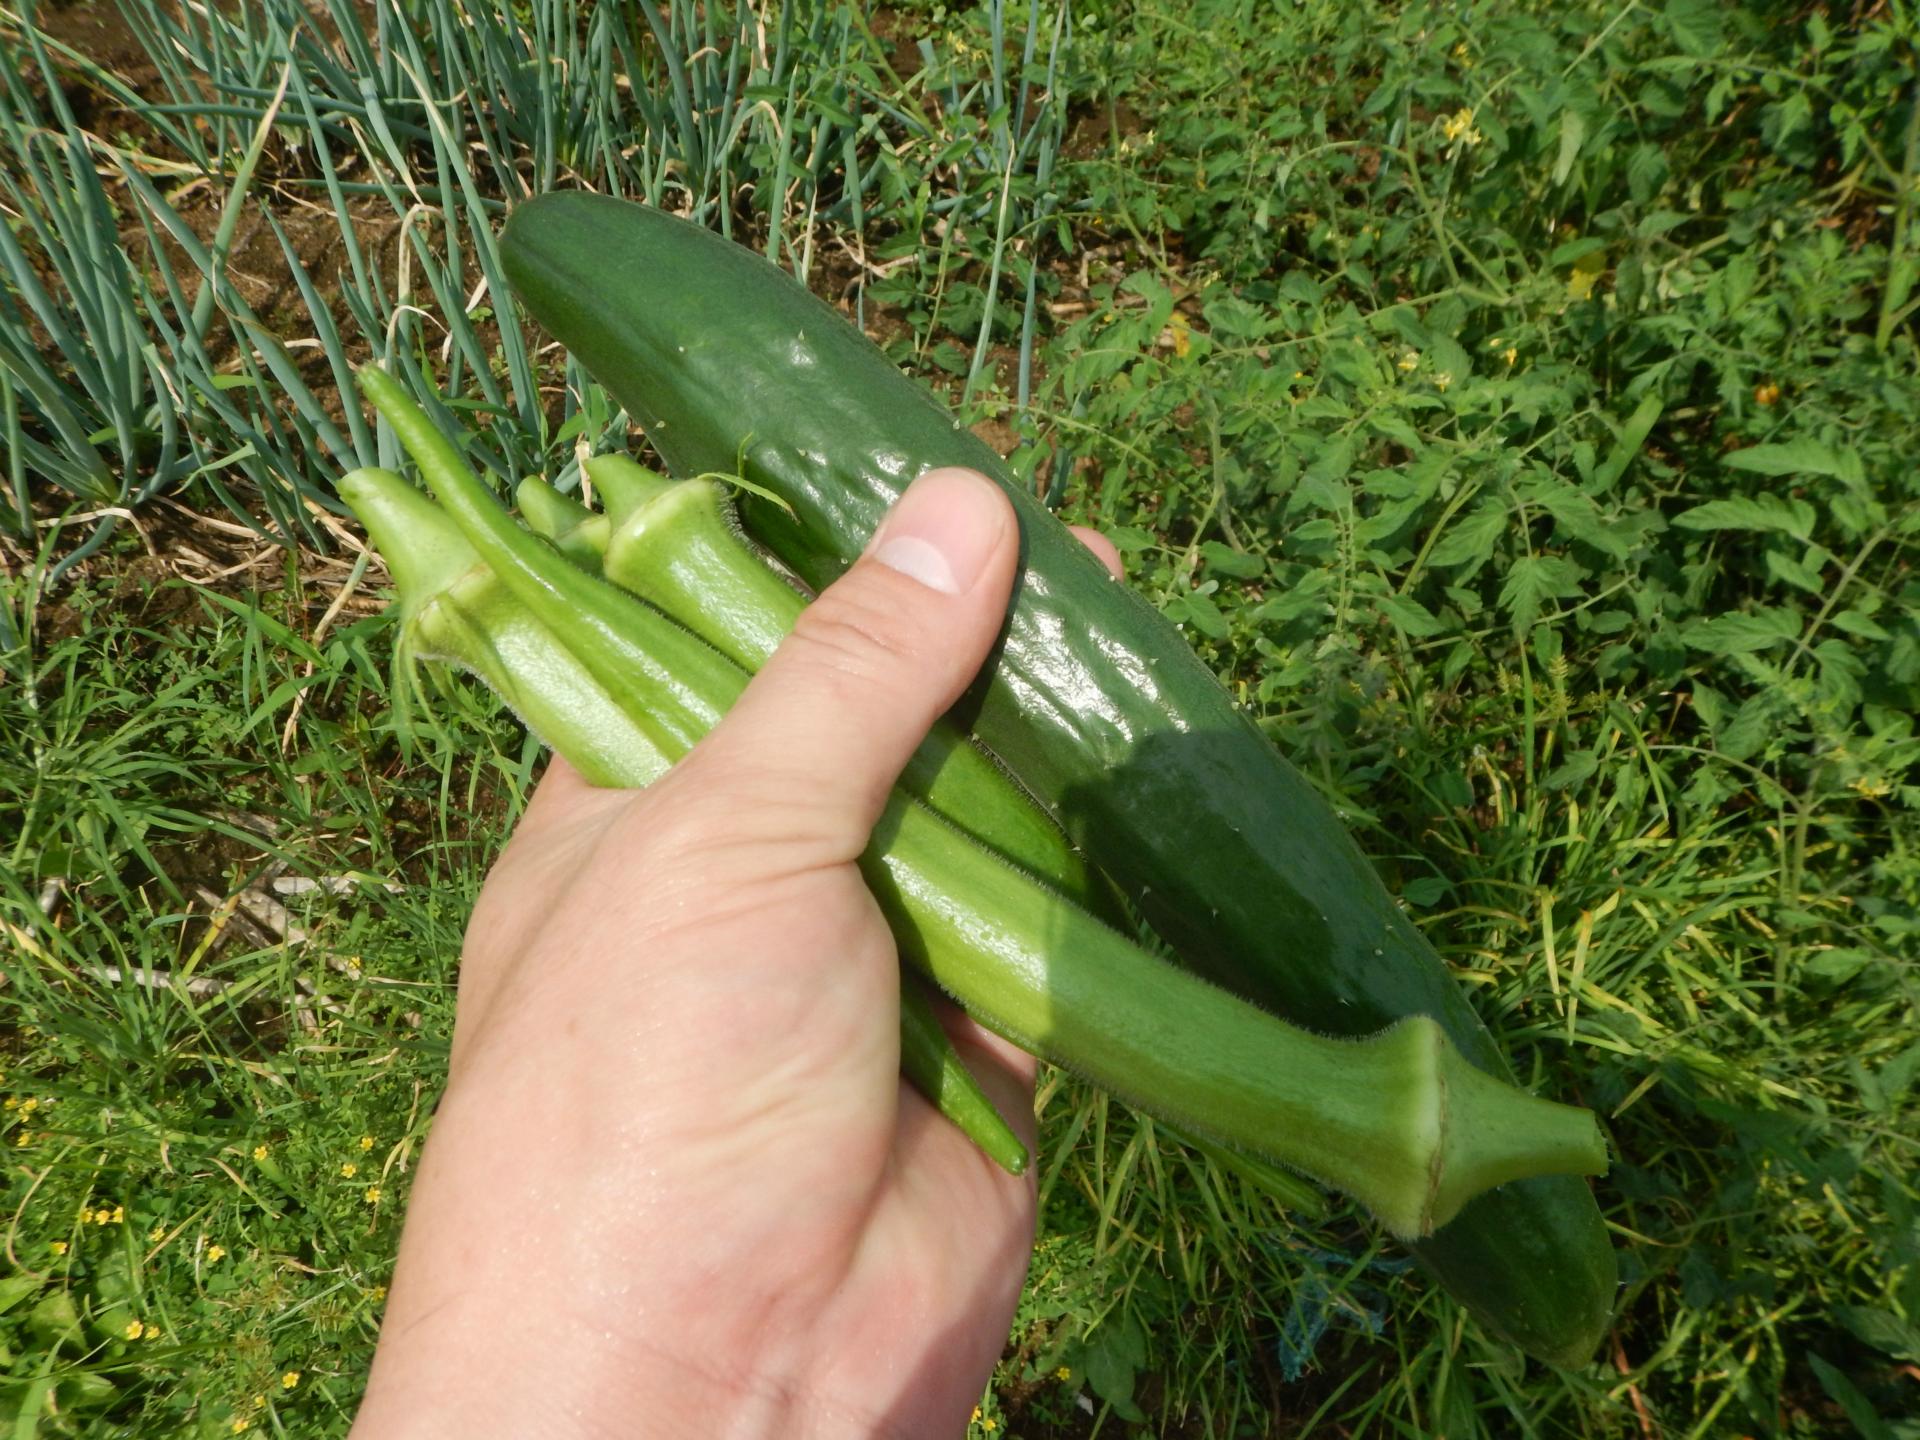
point(1094, 703)
point(623, 687)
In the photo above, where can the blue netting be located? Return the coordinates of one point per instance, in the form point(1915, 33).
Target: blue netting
point(1330, 1293)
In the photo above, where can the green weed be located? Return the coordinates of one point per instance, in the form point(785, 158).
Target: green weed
point(1514, 403)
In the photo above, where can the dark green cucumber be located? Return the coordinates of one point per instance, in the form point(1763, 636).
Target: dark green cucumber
point(1094, 702)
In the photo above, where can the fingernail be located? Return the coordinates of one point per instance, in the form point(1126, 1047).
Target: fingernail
point(943, 530)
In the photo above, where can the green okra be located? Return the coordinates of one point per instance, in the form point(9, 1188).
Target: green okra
point(578, 533)
point(928, 1060)
point(1399, 1119)
point(453, 608)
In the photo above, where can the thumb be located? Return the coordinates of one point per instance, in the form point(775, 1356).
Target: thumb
point(824, 729)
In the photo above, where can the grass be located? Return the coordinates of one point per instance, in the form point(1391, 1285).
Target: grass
point(225, 1071)
point(1540, 477)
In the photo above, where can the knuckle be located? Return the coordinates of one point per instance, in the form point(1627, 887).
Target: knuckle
point(752, 815)
point(859, 630)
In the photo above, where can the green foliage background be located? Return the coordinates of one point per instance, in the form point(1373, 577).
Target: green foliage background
point(1516, 403)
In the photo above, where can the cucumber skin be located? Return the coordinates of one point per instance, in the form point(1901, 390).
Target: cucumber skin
point(1092, 699)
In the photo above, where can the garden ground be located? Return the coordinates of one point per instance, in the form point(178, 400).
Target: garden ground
point(1515, 404)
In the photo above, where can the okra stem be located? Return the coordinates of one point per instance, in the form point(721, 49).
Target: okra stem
point(579, 534)
point(1399, 1120)
point(547, 511)
point(624, 485)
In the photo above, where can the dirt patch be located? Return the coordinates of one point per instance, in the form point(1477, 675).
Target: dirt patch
point(258, 268)
point(1091, 129)
point(901, 34)
point(98, 32)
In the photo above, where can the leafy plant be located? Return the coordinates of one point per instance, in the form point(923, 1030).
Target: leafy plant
point(1540, 477)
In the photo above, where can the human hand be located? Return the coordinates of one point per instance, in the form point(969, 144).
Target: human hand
point(676, 1184)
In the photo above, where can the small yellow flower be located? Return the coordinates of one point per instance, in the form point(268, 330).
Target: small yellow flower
point(377, 1293)
point(103, 1216)
point(1767, 394)
point(353, 964)
point(373, 1194)
point(1463, 55)
point(1063, 1373)
point(23, 1139)
point(135, 1329)
point(1512, 354)
point(989, 1425)
point(1458, 128)
point(119, 1215)
point(366, 1142)
point(1409, 362)
point(153, 1332)
point(259, 1402)
point(259, 1152)
point(349, 1170)
point(86, 1214)
point(27, 1107)
point(1442, 380)
point(241, 1424)
point(1496, 342)
point(157, 1234)
point(59, 1247)
point(215, 1253)
point(290, 1379)
point(12, 1102)
point(974, 1419)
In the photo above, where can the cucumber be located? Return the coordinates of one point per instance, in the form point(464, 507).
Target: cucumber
point(1093, 700)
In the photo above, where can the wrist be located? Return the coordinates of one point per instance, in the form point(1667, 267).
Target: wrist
point(468, 1371)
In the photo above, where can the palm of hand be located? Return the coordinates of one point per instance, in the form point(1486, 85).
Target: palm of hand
point(831, 1252)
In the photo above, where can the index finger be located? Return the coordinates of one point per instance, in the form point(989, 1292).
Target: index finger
point(1104, 549)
